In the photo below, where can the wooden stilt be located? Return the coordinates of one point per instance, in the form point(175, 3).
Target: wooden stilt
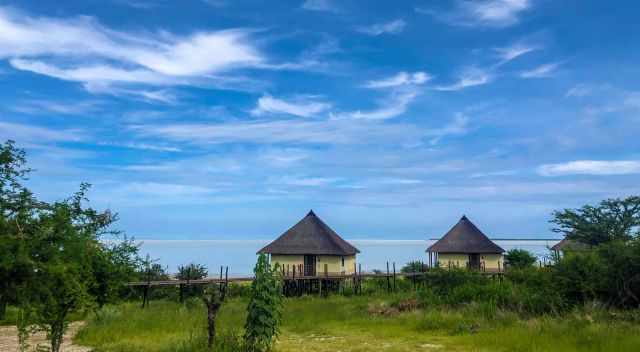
point(388, 279)
point(394, 276)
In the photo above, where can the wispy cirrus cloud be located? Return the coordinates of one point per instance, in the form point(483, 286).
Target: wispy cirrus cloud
point(37, 134)
point(542, 71)
point(591, 167)
point(514, 51)
point(298, 132)
point(55, 107)
point(81, 49)
point(395, 105)
point(469, 77)
point(305, 106)
point(392, 27)
point(305, 181)
point(400, 79)
point(319, 5)
point(481, 13)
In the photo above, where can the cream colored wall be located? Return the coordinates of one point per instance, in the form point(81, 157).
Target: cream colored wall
point(491, 261)
point(334, 263)
point(290, 260)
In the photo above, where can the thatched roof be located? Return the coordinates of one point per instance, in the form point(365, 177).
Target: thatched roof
point(570, 245)
point(465, 237)
point(310, 236)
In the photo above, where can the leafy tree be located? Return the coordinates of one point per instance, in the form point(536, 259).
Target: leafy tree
point(17, 208)
point(52, 259)
point(519, 258)
point(264, 312)
point(191, 272)
point(414, 267)
point(64, 247)
point(611, 220)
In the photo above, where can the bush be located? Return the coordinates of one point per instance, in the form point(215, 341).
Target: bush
point(264, 312)
point(519, 258)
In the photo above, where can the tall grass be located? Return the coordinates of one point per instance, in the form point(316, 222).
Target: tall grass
point(364, 323)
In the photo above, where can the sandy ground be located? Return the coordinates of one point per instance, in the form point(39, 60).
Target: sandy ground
point(9, 339)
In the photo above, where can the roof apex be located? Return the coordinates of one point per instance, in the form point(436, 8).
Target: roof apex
point(465, 237)
point(310, 236)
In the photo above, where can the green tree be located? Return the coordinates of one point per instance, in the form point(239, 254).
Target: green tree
point(611, 220)
point(52, 259)
point(64, 248)
point(264, 312)
point(519, 258)
point(191, 272)
point(17, 208)
point(415, 266)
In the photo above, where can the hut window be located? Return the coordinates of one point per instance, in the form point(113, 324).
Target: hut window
point(342, 261)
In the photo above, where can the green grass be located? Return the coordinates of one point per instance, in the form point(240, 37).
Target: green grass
point(361, 324)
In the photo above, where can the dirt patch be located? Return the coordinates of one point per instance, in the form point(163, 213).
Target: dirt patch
point(9, 339)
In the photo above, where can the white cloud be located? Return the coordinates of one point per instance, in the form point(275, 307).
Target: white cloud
point(494, 173)
point(541, 71)
point(469, 77)
point(579, 90)
point(487, 13)
point(83, 50)
point(458, 126)
point(514, 51)
point(393, 27)
point(35, 134)
point(342, 131)
point(306, 181)
point(394, 106)
point(148, 95)
point(38, 106)
point(319, 5)
point(304, 106)
point(591, 167)
point(142, 146)
point(400, 79)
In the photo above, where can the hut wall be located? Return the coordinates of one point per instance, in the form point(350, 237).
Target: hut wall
point(491, 261)
point(456, 259)
point(334, 264)
point(284, 260)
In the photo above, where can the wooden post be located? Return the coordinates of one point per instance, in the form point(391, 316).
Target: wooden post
point(355, 274)
point(413, 277)
point(145, 292)
point(388, 279)
point(360, 278)
point(394, 276)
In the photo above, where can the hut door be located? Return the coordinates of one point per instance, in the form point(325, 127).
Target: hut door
point(474, 261)
point(309, 265)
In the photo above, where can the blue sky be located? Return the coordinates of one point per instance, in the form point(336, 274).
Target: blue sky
point(231, 119)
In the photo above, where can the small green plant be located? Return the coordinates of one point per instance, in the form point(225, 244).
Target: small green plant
point(264, 313)
point(519, 258)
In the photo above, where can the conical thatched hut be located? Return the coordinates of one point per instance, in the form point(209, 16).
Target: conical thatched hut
point(466, 246)
point(567, 245)
point(312, 248)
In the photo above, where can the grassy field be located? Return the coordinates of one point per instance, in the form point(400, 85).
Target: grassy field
point(389, 323)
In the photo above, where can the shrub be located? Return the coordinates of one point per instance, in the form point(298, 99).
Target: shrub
point(519, 258)
point(264, 312)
